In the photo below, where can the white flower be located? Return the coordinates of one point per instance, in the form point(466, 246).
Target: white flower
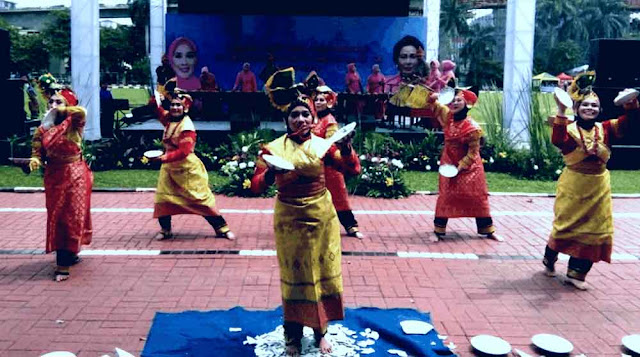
point(438, 162)
point(242, 165)
point(558, 172)
point(397, 163)
point(365, 177)
point(251, 164)
point(384, 159)
point(374, 159)
point(362, 157)
point(428, 167)
point(215, 158)
point(233, 163)
point(535, 167)
point(491, 160)
point(245, 148)
point(415, 159)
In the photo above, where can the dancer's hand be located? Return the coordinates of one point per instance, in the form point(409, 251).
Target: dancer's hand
point(34, 164)
point(632, 105)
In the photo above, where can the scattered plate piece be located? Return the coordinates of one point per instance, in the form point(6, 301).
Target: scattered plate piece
point(123, 353)
point(235, 329)
point(400, 353)
point(447, 170)
point(491, 345)
point(632, 343)
point(342, 132)
point(278, 162)
point(59, 354)
point(563, 97)
point(367, 351)
point(416, 327)
point(152, 154)
point(552, 343)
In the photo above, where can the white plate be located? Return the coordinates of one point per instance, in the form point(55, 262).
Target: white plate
point(278, 162)
point(342, 132)
point(446, 95)
point(59, 354)
point(632, 343)
point(152, 154)
point(563, 97)
point(552, 343)
point(491, 345)
point(416, 327)
point(448, 170)
point(625, 96)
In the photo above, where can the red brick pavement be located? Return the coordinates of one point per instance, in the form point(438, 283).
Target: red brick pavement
point(110, 301)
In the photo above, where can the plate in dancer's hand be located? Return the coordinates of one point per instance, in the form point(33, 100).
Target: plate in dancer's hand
point(278, 162)
point(625, 96)
point(563, 97)
point(416, 327)
point(342, 132)
point(447, 170)
point(552, 343)
point(152, 154)
point(491, 345)
point(446, 95)
point(632, 343)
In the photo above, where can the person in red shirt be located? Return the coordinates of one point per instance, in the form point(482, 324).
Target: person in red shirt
point(246, 80)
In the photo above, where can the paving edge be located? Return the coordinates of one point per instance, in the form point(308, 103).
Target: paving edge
point(424, 193)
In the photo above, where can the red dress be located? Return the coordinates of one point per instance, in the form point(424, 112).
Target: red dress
point(67, 182)
point(466, 194)
point(325, 127)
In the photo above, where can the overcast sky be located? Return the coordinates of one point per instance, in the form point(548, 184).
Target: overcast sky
point(47, 3)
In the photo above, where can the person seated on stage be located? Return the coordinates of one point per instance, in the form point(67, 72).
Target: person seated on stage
point(406, 56)
point(375, 81)
point(164, 72)
point(246, 80)
point(448, 77)
point(183, 55)
point(183, 183)
point(57, 145)
point(434, 81)
point(208, 81)
point(352, 80)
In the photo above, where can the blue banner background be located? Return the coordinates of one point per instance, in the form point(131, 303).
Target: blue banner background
point(323, 44)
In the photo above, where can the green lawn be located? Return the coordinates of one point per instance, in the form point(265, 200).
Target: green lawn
point(621, 181)
point(136, 97)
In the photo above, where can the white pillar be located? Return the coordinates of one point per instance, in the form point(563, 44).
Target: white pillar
point(158, 10)
point(431, 10)
point(518, 64)
point(85, 62)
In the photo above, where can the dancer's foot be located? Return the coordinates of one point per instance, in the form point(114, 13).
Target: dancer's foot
point(293, 351)
point(227, 235)
point(435, 237)
point(325, 346)
point(59, 276)
point(578, 284)
point(354, 232)
point(549, 268)
point(163, 235)
point(495, 237)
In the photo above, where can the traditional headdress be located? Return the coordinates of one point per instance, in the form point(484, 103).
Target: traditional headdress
point(469, 97)
point(68, 96)
point(582, 87)
point(283, 91)
point(329, 95)
point(48, 84)
point(186, 100)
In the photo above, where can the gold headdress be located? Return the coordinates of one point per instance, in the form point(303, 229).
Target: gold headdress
point(582, 87)
point(282, 89)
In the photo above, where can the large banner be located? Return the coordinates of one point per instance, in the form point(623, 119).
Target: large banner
point(323, 44)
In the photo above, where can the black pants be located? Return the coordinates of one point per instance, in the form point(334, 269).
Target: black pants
point(293, 334)
point(217, 222)
point(578, 268)
point(65, 258)
point(348, 220)
point(484, 224)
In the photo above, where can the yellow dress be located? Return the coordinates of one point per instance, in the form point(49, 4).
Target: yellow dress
point(307, 230)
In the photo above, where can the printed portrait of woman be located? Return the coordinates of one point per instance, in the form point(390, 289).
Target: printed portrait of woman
point(183, 55)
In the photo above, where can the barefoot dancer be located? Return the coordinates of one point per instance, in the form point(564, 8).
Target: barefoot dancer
point(306, 224)
point(57, 144)
point(183, 184)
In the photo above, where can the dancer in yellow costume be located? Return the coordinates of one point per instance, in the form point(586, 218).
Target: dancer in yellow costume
point(306, 225)
point(583, 217)
point(183, 183)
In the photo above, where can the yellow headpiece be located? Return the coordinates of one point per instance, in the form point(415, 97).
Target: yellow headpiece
point(582, 87)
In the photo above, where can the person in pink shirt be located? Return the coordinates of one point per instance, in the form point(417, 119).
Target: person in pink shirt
point(447, 73)
point(246, 80)
point(352, 79)
point(183, 55)
point(375, 85)
point(434, 81)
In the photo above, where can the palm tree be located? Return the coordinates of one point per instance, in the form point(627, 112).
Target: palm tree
point(610, 18)
point(453, 22)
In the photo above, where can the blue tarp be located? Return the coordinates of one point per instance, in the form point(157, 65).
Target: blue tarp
point(195, 333)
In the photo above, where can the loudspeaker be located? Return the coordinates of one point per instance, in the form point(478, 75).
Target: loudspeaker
point(4, 54)
point(615, 62)
point(296, 7)
point(14, 117)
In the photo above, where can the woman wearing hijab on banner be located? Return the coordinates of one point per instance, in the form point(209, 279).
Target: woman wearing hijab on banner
point(325, 127)
point(183, 183)
point(306, 225)
point(57, 144)
point(466, 194)
point(183, 55)
point(583, 217)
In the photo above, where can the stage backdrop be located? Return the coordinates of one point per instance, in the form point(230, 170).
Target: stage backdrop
point(323, 44)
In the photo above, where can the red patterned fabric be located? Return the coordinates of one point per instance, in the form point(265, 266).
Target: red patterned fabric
point(68, 182)
point(333, 178)
point(465, 195)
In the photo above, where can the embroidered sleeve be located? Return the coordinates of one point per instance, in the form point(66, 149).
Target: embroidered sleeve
point(78, 116)
point(345, 162)
point(331, 129)
point(186, 144)
point(163, 115)
point(617, 128)
point(262, 176)
point(440, 112)
point(560, 137)
point(36, 145)
point(473, 151)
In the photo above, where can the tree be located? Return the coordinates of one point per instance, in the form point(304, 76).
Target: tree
point(115, 47)
point(564, 56)
point(611, 17)
point(27, 51)
point(477, 55)
point(453, 24)
point(57, 34)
